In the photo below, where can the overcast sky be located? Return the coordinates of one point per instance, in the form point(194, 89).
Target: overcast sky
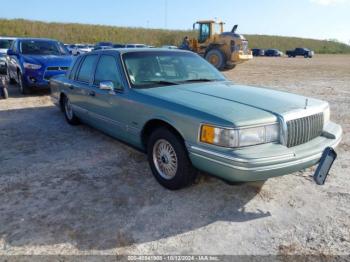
point(320, 19)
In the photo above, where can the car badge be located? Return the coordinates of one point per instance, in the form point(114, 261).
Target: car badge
point(306, 103)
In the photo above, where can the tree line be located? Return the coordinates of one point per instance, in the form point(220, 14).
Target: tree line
point(84, 33)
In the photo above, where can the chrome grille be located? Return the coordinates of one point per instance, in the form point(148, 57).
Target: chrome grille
point(304, 129)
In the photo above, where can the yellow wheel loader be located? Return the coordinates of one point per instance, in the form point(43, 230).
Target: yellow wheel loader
point(222, 49)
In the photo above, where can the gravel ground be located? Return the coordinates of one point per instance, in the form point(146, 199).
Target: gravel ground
point(73, 190)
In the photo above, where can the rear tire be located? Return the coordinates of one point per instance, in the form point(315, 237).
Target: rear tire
point(169, 161)
point(217, 58)
point(68, 112)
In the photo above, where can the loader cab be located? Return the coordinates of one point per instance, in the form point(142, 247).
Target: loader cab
point(207, 29)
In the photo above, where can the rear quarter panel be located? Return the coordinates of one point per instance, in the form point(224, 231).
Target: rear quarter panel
point(57, 86)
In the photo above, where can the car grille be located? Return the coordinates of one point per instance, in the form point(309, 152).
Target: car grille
point(304, 129)
point(57, 68)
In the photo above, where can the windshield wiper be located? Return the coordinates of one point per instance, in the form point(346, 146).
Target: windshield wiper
point(160, 82)
point(200, 80)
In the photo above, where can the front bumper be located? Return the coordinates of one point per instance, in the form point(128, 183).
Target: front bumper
point(39, 79)
point(263, 161)
point(240, 57)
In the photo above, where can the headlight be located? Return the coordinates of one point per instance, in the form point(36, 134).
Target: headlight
point(239, 137)
point(31, 66)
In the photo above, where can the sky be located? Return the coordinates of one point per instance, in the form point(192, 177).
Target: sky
point(319, 19)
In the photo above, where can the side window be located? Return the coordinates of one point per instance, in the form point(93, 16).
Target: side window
point(107, 70)
point(86, 69)
point(14, 46)
point(73, 71)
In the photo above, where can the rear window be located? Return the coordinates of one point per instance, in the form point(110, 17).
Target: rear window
point(86, 69)
point(73, 72)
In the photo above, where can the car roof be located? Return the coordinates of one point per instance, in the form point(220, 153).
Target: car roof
point(8, 37)
point(36, 39)
point(137, 50)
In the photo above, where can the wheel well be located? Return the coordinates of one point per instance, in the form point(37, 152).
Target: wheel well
point(153, 125)
point(213, 46)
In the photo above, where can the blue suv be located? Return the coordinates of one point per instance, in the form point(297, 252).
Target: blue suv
point(31, 62)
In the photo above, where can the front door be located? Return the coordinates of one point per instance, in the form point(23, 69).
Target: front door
point(108, 108)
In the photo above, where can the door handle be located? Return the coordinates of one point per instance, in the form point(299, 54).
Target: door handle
point(71, 87)
point(92, 93)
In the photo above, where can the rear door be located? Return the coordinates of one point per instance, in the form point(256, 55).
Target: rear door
point(80, 84)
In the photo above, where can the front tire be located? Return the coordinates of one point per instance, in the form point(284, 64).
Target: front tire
point(68, 112)
point(169, 160)
point(217, 58)
point(4, 93)
point(22, 86)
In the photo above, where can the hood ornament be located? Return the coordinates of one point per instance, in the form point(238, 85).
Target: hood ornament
point(306, 103)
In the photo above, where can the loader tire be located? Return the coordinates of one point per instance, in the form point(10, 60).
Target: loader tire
point(216, 58)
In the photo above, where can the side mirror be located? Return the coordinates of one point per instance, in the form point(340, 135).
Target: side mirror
point(11, 52)
point(107, 85)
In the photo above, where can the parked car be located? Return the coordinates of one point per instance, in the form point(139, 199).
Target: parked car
point(104, 44)
point(136, 46)
point(81, 49)
point(305, 52)
point(31, 62)
point(119, 46)
point(5, 43)
point(70, 47)
point(273, 52)
point(258, 52)
point(169, 47)
point(102, 47)
point(185, 114)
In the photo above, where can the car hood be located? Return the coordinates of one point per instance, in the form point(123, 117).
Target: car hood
point(237, 105)
point(48, 60)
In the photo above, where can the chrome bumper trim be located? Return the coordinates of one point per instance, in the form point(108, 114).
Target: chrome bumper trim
point(263, 168)
point(288, 157)
point(241, 160)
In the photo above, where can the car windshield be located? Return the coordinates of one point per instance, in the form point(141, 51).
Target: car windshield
point(5, 43)
point(39, 47)
point(160, 68)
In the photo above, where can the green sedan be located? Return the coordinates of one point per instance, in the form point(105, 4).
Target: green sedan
point(187, 116)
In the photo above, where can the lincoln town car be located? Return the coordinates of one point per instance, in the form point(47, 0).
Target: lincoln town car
point(186, 116)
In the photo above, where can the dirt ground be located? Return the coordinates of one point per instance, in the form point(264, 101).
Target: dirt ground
point(73, 190)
